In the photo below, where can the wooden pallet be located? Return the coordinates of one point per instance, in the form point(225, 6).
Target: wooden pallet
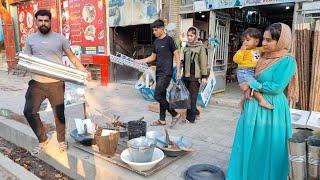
point(116, 159)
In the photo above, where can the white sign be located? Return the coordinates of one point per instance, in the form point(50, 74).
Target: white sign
point(206, 92)
point(199, 6)
point(311, 5)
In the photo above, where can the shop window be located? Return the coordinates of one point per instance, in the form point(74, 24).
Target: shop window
point(144, 34)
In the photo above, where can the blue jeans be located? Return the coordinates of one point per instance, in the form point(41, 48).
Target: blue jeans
point(245, 74)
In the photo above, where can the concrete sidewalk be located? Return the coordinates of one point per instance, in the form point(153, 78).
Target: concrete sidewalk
point(212, 134)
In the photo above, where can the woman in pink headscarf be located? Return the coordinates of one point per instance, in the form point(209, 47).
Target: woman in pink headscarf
point(260, 145)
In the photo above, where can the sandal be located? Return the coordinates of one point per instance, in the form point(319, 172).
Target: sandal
point(175, 120)
point(39, 148)
point(63, 146)
point(158, 123)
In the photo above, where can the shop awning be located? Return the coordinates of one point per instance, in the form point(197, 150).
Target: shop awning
point(213, 4)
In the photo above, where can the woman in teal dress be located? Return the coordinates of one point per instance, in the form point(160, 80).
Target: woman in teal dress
point(260, 150)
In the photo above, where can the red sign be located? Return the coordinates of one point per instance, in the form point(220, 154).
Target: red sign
point(26, 20)
point(84, 24)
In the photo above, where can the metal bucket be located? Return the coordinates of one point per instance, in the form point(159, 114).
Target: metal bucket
point(141, 149)
point(297, 159)
point(298, 155)
point(313, 158)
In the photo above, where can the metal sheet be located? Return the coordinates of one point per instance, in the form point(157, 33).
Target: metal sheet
point(47, 68)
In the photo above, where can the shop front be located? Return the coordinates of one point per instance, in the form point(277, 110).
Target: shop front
point(230, 19)
point(130, 32)
point(83, 23)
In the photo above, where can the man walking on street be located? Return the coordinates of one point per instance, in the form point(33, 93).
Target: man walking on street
point(164, 52)
point(50, 46)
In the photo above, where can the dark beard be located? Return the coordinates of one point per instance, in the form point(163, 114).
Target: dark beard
point(44, 29)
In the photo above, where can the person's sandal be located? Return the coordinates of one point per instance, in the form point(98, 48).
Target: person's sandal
point(175, 120)
point(63, 146)
point(158, 123)
point(39, 148)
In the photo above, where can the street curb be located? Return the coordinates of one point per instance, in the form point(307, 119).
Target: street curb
point(74, 163)
point(16, 169)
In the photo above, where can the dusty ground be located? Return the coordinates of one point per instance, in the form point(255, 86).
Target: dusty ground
point(31, 163)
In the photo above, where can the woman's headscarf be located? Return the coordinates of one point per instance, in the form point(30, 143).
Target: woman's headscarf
point(282, 49)
point(196, 42)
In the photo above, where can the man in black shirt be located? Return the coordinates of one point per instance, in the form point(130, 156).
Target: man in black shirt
point(164, 52)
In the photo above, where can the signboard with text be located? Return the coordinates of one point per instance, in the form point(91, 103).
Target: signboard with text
point(83, 23)
point(222, 4)
point(264, 2)
point(26, 21)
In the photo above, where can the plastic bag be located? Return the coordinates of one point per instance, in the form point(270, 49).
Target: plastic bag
point(179, 96)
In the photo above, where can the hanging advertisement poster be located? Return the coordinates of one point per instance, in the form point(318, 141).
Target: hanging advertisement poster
point(83, 23)
point(26, 20)
point(125, 12)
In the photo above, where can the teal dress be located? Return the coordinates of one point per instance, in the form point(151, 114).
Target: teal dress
point(260, 148)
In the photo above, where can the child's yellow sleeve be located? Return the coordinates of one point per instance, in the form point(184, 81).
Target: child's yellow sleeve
point(239, 56)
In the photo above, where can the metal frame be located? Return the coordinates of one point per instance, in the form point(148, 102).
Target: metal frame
point(122, 59)
point(218, 57)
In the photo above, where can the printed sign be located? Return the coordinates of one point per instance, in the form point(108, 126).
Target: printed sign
point(205, 93)
point(222, 4)
point(83, 23)
point(26, 21)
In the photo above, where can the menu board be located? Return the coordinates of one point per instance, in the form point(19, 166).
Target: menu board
point(83, 23)
point(26, 20)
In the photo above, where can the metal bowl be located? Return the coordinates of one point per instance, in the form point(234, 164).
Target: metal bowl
point(156, 158)
point(185, 145)
point(85, 139)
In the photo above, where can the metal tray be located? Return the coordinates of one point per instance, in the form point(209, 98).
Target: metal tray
point(116, 159)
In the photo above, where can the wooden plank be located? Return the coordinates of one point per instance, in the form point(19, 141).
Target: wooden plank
point(116, 159)
point(306, 63)
point(313, 76)
point(301, 67)
point(299, 63)
point(305, 70)
point(316, 60)
point(314, 92)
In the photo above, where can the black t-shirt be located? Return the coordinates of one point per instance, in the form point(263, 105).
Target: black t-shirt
point(164, 49)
